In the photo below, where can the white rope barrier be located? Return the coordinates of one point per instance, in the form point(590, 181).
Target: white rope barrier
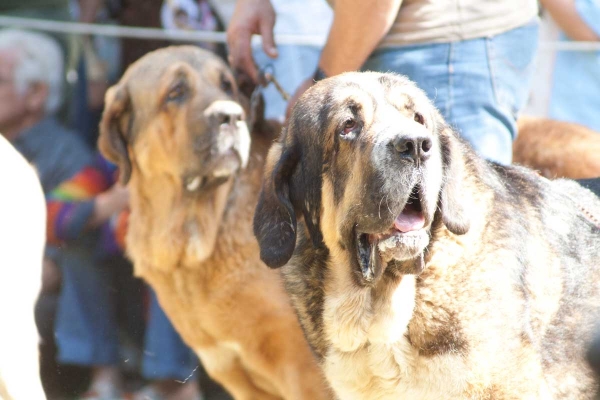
point(206, 36)
point(570, 46)
point(141, 33)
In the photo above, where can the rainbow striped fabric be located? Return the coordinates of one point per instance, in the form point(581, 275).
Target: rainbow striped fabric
point(71, 204)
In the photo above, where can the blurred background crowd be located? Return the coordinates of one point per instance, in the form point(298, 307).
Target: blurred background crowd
point(104, 335)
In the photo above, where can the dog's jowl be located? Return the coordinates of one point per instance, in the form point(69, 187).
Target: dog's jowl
point(419, 270)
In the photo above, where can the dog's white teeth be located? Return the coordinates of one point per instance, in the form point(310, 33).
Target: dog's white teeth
point(193, 184)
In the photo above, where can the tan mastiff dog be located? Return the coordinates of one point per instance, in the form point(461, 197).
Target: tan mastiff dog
point(175, 126)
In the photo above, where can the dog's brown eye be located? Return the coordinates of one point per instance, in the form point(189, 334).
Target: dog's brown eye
point(419, 118)
point(177, 93)
point(226, 85)
point(349, 126)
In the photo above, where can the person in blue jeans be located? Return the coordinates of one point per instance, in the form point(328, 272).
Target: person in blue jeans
point(575, 94)
point(473, 58)
point(168, 363)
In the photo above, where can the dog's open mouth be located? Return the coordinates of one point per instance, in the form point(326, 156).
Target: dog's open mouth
point(404, 240)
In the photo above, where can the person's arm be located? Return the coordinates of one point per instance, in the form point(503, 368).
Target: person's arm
point(358, 27)
point(250, 17)
point(567, 17)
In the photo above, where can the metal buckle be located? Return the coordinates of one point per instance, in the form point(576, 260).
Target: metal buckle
point(267, 75)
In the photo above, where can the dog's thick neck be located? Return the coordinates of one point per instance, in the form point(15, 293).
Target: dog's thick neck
point(173, 228)
point(347, 308)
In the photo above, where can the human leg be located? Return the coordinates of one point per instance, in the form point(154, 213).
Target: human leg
point(86, 329)
point(168, 363)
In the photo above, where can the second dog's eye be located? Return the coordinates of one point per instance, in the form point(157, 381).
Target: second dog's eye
point(349, 126)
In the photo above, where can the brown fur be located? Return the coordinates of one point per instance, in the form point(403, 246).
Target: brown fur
point(195, 247)
point(557, 149)
point(495, 298)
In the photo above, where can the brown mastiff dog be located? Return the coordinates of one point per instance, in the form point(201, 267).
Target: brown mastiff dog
point(419, 270)
point(175, 126)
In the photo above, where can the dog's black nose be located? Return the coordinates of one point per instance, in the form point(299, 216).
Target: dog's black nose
point(225, 112)
point(228, 117)
point(415, 148)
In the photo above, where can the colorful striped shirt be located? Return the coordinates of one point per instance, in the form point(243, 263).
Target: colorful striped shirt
point(72, 176)
point(71, 204)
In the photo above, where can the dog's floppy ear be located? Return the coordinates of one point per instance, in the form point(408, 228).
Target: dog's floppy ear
point(275, 218)
point(454, 214)
point(113, 140)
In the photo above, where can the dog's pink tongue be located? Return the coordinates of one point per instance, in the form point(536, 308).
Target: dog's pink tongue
point(409, 220)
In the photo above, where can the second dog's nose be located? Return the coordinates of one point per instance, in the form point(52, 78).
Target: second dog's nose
point(416, 148)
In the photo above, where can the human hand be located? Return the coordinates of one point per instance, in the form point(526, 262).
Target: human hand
point(117, 198)
point(250, 17)
point(109, 203)
point(303, 87)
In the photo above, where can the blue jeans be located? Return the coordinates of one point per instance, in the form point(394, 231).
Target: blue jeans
point(86, 328)
point(165, 354)
point(479, 85)
point(87, 322)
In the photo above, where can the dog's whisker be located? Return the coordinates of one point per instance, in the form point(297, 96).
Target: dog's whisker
point(387, 204)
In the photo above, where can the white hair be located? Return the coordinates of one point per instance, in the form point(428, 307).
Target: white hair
point(39, 60)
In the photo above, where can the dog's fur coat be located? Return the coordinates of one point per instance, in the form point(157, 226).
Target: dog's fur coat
point(175, 126)
point(420, 271)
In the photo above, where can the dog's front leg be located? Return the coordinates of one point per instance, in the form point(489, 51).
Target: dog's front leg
point(283, 355)
point(225, 367)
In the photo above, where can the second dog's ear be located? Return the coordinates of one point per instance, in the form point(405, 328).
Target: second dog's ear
point(114, 130)
point(454, 215)
point(275, 217)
